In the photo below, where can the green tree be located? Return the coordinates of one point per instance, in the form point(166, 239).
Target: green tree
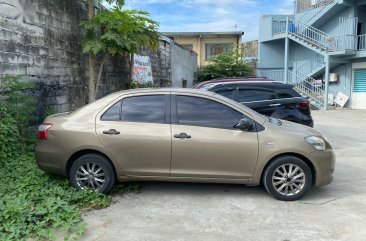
point(113, 32)
point(229, 64)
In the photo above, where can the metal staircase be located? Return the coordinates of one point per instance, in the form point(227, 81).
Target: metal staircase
point(311, 67)
point(309, 11)
point(307, 87)
point(312, 38)
point(303, 79)
point(324, 44)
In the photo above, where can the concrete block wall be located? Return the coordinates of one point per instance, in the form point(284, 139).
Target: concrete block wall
point(40, 39)
point(171, 64)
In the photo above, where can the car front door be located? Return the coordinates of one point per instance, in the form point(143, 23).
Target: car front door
point(205, 144)
point(136, 130)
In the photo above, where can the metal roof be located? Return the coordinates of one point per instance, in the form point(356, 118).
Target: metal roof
point(238, 33)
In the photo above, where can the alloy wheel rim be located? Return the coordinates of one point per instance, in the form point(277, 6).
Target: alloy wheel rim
point(90, 176)
point(288, 179)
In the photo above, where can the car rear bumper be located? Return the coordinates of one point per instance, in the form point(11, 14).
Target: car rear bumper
point(50, 159)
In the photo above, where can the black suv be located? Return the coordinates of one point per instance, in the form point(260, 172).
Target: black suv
point(267, 97)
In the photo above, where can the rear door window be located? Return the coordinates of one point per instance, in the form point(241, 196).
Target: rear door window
point(146, 109)
point(250, 95)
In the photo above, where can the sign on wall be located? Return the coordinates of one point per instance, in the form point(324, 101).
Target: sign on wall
point(341, 99)
point(142, 71)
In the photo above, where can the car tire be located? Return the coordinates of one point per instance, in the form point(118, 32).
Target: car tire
point(287, 178)
point(94, 172)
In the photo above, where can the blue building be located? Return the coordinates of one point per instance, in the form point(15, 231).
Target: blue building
point(321, 49)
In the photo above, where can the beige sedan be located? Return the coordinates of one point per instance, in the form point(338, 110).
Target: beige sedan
point(186, 136)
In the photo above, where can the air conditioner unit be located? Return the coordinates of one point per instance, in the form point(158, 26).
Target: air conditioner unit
point(333, 77)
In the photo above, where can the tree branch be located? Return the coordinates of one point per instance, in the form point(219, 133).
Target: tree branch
point(105, 57)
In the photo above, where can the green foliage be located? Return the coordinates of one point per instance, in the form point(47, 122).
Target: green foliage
point(136, 85)
point(119, 31)
point(225, 65)
point(17, 109)
point(34, 204)
point(117, 3)
point(9, 141)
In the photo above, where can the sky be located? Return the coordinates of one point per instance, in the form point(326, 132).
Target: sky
point(211, 15)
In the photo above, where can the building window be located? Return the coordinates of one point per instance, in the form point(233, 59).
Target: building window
point(187, 46)
point(215, 49)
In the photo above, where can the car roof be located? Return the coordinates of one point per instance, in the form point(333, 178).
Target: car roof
point(260, 84)
point(233, 79)
point(99, 104)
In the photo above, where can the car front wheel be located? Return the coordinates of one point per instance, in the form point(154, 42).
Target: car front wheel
point(287, 178)
point(93, 172)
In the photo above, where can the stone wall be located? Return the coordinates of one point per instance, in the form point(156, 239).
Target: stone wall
point(184, 66)
point(40, 39)
point(172, 64)
point(160, 63)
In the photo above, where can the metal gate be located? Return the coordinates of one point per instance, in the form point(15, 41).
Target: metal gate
point(359, 89)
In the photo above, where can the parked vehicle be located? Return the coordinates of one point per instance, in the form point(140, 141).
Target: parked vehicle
point(182, 135)
point(265, 96)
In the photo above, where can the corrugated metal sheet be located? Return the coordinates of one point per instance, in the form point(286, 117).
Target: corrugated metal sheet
point(360, 80)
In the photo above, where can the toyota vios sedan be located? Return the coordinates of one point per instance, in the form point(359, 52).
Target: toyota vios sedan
point(186, 136)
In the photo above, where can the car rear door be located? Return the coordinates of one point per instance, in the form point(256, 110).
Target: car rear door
point(136, 130)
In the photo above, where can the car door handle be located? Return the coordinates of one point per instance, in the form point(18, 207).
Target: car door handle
point(182, 136)
point(111, 132)
point(272, 105)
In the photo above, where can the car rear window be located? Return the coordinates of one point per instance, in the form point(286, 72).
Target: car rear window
point(249, 95)
point(227, 93)
point(286, 93)
point(147, 109)
point(113, 113)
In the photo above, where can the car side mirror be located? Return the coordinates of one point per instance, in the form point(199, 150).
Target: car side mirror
point(245, 124)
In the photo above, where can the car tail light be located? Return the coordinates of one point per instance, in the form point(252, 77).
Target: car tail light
point(304, 105)
point(43, 131)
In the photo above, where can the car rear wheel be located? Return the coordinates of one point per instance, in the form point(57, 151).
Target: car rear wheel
point(93, 172)
point(287, 178)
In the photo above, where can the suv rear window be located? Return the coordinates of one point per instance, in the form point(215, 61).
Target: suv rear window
point(249, 95)
point(286, 93)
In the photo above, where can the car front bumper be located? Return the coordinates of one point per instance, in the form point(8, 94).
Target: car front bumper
point(325, 167)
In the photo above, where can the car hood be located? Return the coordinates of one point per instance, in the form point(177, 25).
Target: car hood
point(297, 129)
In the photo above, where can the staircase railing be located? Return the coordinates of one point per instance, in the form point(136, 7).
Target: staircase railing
point(308, 86)
point(311, 8)
point(313, 36)
point(309, 66)
point(304, 5)
point(361, 42)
